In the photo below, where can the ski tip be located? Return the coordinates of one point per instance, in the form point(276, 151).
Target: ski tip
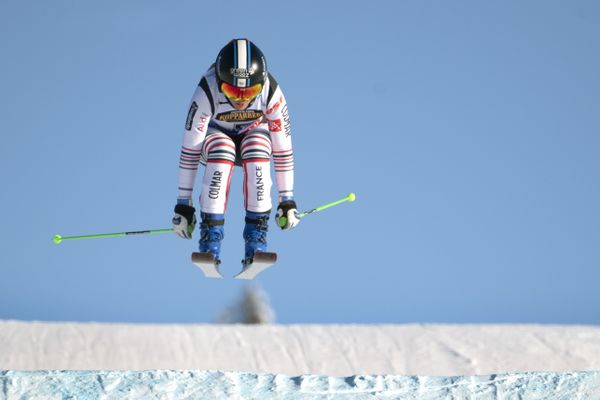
point(57, 239)
point(260, 262)
point(265, 256)
point(202, 257)
point(207, 264)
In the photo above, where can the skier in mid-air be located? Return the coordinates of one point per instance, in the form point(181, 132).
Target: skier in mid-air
point(237, 116)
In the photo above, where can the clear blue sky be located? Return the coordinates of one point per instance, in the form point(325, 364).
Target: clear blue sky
point(469, 131)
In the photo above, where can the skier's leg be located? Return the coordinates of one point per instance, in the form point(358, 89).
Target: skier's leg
point(256, 153)
point(218, 155)
point(256, 160)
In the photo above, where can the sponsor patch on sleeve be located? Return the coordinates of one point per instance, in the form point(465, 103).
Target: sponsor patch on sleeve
point(275, 106)
point(274, 125)
point(190, 117)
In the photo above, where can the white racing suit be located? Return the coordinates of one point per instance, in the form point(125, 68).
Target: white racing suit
point(219, 137)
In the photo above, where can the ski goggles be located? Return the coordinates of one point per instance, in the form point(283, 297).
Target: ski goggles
point(235, 93)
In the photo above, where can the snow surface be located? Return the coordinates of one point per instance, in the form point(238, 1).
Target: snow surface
point(337, 350)
point(235, 385)
point(92, 360)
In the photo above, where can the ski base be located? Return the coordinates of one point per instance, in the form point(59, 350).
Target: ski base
point(207, 263)
point(260, 262)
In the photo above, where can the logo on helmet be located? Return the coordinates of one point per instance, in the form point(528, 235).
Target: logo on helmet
point(242, 72)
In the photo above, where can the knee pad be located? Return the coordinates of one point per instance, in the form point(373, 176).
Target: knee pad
point(256, 146)
point(218, 147)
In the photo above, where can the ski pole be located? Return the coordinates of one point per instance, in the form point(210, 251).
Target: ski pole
point(57, 238)
point(350, 197)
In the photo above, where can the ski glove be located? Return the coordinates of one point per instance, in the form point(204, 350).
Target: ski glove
point(287, 214)
point(184, 221)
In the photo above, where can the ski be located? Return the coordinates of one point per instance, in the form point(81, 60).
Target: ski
point(207, 263)
point(260, 262)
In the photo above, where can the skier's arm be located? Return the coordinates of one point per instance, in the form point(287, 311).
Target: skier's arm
point(283, 158)
point(281, 139)
point(196, 125)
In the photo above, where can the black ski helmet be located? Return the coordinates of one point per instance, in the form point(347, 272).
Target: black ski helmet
point(241, 64)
